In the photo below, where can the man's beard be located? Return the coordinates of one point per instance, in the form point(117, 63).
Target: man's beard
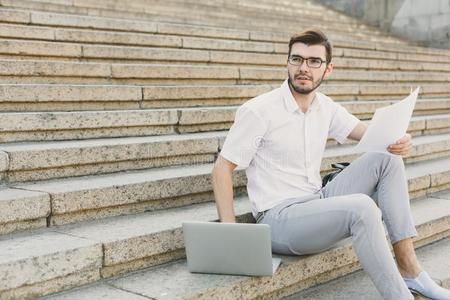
point(304, 90)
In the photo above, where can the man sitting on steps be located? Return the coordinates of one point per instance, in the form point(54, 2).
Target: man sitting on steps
point(280, 137)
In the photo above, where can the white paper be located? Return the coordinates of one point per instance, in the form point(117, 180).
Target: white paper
point(388, 125)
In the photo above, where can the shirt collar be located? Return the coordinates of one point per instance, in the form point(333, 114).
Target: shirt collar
point(289, 100)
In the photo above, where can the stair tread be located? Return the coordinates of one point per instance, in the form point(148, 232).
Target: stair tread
point(105, 142)
point(434, 258)
point(100, 142)
point(165, 220)
point(174, 281)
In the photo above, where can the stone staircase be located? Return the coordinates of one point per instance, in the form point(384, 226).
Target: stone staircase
point(112, 114)
point(359, 286)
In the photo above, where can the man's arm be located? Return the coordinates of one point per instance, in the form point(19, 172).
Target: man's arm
point(357, 132)
point(223, 189)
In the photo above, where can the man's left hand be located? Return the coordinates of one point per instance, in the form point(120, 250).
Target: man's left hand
point(402, 146)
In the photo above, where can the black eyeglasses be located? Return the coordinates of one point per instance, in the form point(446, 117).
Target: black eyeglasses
point(312, 62)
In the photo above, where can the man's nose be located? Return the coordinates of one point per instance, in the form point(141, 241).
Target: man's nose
point(304, 66)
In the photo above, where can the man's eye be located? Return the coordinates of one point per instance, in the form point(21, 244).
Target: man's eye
point(296, 59)
point(315, 61)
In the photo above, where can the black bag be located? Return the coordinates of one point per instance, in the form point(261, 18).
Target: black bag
point(339, 167)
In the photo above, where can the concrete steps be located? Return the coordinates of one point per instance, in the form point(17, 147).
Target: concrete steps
point(94, 197)
point(41, 25)
point(264, 48)
point(17, 16)
point(430, 118)
point(41, 72)
point(224, 7)
point(52, 126)
point(132, 25)
point(158, 36)
point(356, 285)
point(173, 7)
point(61, 258)
point(41, 50)
point(111, 115)
point(22, 210)
point(173, 281)
point(214, 16)
point(49, 33)
point(51, 261)
point(48, 160)
point(433, 257)
point(18, 49)
point(58, 97)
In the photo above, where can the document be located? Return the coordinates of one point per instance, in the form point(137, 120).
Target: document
point(388, 125)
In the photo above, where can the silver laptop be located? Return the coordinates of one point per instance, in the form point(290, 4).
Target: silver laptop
point(229, 248)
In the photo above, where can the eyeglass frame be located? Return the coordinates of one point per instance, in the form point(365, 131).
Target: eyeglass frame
point(307, 61)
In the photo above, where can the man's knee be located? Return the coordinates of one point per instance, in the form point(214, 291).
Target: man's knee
point(385, 159)
point(397, 161)
point(365, 207)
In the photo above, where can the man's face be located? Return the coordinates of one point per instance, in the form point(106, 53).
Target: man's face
point(304, 79)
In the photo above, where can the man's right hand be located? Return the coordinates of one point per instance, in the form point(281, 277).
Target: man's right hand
point(223, 189)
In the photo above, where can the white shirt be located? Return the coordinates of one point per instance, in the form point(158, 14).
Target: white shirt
point(281, 147)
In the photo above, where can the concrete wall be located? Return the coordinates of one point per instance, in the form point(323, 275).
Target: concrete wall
point(424, 21)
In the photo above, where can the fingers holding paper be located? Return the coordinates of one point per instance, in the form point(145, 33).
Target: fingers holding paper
point(387, 124)
point(402, 146)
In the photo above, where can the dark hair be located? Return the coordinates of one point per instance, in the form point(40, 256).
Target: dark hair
point(312, 37)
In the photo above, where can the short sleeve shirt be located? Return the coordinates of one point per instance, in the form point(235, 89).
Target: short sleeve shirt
point(281, 147)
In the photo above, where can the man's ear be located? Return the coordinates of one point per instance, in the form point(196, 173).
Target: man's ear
point(328, 71)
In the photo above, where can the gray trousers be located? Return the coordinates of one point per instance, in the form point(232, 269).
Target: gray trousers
point(372, 189)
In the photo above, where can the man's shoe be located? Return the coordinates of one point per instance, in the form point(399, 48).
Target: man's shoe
point(426, 287)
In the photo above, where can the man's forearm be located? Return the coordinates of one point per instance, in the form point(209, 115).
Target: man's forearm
point(358, 131)
point(223, 194)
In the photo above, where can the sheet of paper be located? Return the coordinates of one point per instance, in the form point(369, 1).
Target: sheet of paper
point(388, 125)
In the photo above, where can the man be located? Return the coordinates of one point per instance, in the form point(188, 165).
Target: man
point(280, 137)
